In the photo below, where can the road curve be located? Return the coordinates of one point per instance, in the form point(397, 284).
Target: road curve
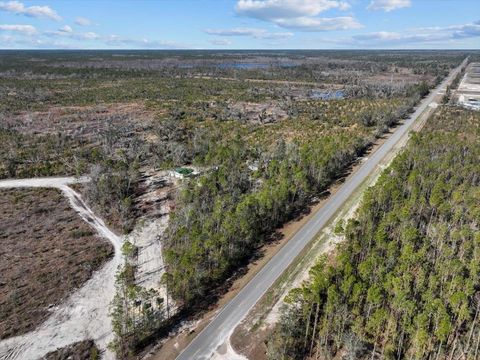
point(85, 313)
point(56, 182)
point(215, 333)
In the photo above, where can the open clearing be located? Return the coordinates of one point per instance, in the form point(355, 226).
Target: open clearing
point(84, 314)
point(468, 92)
point(47, 251)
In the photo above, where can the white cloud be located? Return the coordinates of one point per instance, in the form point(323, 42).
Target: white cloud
point(467, 30)
point(19, 8)
point(117, 41)
point(281, 9)
point(67, 32)
point(344, 6)
point(320, 24)
point(82, 21)
point(88, 35)
point(388, 5)
point(13, 36)
point(7, 39)
point(298, 14)
point(220, 42)
point(425, 36)
point(66, 29)
point(23, 29)
point(395, 37)
point(252, 32)
point(34, 43)
point(459, 30)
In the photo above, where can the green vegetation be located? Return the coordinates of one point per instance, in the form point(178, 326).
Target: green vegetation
point(184, 171)
point(267, 140)
point(135, 311)
point(225, 215)
point(112, 187)
point(406, 283)
point(229, 212)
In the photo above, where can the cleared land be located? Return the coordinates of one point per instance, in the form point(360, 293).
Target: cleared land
point(468, 92)
point(47, 251)
point(82, 350)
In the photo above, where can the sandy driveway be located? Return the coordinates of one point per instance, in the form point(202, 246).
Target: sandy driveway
point(84, 315)
point(150, 266)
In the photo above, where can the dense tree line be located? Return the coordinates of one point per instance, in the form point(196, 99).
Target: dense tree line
point(230, 211)
point(406, 282)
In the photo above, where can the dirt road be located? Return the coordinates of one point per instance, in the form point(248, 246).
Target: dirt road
point(84, 315)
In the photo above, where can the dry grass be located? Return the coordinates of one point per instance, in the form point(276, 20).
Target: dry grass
point(81, 122)
point(47, 251)
point(82, 350)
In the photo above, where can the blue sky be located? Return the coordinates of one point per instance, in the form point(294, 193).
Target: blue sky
point(240, 24)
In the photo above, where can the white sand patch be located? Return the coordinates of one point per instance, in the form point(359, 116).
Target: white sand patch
point(325, 248)
point(84, 315)
point(150, 267)
point(55, 182)
point(226, 352)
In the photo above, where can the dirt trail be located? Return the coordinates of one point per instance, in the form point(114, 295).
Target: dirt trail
point(84, 315)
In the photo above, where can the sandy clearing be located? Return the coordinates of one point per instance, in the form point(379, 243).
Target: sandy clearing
point(226, 352)
point(84, 315)
point(150, 266)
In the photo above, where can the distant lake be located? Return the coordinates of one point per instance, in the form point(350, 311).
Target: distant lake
point(326, 95)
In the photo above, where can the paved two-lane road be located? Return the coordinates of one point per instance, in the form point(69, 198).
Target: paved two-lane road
point(206, 342)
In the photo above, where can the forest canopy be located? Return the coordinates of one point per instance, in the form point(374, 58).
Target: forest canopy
point(406, 282)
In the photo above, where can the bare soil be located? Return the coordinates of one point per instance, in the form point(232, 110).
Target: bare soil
point(82, 350)
point(47, 251)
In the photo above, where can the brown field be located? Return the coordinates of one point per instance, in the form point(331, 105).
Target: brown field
point(81, 122)
point(47, 251)
point(82, 350)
